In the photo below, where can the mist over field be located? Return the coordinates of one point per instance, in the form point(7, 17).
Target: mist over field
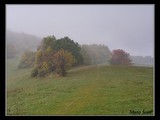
point(80, 60)
point(97, 53)
point(128, 27)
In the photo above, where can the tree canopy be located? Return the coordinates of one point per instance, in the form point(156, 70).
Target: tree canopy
point(63, 60)
point(67, 44)
point(120, 57)
point(95, 54)
point(63, 43)
point(27, 59)
point(47, 42)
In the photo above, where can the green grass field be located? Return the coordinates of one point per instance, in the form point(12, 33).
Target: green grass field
point(87, 90)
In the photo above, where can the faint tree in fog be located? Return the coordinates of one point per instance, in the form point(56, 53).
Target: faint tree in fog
point(27, 59)
point(11, 51)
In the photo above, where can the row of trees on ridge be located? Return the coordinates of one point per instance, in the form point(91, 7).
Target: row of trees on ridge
point(58, 55)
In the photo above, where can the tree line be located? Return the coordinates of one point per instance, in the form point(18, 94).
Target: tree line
point(58, 55)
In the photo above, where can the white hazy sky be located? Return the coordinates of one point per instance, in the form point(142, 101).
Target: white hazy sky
point(127, 27)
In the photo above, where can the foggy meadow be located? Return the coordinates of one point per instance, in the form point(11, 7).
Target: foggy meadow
point(79, 60)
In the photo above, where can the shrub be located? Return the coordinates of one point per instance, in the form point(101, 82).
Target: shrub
point(63, 60)
point(27, 59)
point(41, 73)
point(34, 72)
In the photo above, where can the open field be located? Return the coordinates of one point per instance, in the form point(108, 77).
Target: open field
point(87, 90)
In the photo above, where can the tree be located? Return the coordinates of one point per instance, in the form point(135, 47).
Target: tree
point(86, 55)
point(63, 43)
point(47, 42)
point(120, 57)
point(27, 59)
point(95, 54)
point(63, 61)
point(44, 56)
point(43, 63)
point(11, 51)
point(67, 44)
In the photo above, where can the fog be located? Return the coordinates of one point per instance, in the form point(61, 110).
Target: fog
point(128, 27)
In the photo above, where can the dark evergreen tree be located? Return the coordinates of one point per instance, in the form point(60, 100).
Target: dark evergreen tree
point(71, 46)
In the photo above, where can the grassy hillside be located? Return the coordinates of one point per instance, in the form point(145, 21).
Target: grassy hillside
point(87, 90)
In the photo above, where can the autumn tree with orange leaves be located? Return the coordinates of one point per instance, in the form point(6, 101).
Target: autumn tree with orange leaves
point(63, 61)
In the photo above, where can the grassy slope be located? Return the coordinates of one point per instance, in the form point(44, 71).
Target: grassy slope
point(89, 90)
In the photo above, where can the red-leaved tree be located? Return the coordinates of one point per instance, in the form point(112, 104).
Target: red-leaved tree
point(120, 57)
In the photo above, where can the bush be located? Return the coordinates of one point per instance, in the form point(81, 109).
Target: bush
point(34, 72)
point(27, 60)
point(63, 61)
point(41, 73)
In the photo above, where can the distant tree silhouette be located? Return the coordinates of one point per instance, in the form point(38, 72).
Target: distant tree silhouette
point(11, 51)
